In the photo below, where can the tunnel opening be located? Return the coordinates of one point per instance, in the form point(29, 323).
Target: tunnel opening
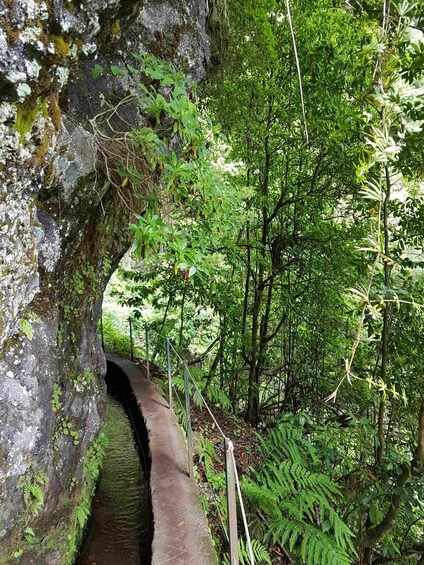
point(120, 528)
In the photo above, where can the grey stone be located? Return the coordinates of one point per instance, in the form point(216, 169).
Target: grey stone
point(58, 214)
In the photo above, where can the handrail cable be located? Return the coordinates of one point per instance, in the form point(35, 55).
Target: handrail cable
point(211, 490)
point(231, 445)
point(200, 394)
point(243, 513)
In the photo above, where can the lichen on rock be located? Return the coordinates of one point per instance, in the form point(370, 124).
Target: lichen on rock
point(59, 219)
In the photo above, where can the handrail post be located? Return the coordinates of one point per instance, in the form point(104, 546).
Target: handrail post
point(168, 363)
point(146, 331)
point(231, 502)
point(131, 340)
point(188, 418)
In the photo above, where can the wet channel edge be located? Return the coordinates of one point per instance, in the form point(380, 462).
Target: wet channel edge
point(180, 536)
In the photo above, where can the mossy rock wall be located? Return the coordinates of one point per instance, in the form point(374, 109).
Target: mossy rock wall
point(63, 229)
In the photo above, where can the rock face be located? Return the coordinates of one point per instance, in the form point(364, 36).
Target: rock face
point(63, 230)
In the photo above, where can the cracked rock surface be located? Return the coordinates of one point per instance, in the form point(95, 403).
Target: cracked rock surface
point(63, 230)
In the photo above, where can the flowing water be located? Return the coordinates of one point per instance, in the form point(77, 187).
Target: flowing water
point(119, 528)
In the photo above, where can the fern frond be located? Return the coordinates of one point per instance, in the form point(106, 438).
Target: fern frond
point(33, 497)
point(81, 514)
point(180, 414)
point(296, 499)
point(218, 396)
point(197, 398)
point(207, 455)
point(178, 383)
point(260, 554)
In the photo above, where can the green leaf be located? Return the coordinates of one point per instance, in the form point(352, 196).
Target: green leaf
point(155, 74)
point(26, 328)
point(117, 71)
point(96, 71)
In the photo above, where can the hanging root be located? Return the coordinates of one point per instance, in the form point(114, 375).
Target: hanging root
point(124, 162)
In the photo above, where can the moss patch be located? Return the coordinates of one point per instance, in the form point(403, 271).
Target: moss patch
point(42, 149)
point(26, 114)
point(63, 540)
point(55, 112)
point(62, 46)
point(115, 29)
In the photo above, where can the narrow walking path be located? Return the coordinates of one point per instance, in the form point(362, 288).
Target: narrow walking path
point(180, 535)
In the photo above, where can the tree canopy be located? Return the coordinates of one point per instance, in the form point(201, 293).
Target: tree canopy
point(287, 245)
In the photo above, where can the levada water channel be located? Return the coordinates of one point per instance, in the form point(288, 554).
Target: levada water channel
point(120, 526)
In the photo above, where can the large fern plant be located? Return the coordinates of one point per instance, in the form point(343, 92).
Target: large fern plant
point(296, 503)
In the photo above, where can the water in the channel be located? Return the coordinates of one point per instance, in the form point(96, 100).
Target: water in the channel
point(119, 528)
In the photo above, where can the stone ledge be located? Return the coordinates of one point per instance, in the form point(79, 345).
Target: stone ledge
point(180, 536)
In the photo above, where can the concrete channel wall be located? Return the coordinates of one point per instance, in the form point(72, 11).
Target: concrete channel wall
point(180, 535)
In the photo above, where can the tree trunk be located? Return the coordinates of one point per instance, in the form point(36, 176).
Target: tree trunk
point(386, 323)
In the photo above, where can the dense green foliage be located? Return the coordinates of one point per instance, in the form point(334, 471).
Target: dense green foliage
point(286, 256)
point(297, 501)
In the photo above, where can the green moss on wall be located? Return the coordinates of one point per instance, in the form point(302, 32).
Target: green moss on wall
point(26, 114)
point(55, 112)
point(42, 149)
point(62, 46)
point(115, 29)
point(92, 463)
point(32, 545)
